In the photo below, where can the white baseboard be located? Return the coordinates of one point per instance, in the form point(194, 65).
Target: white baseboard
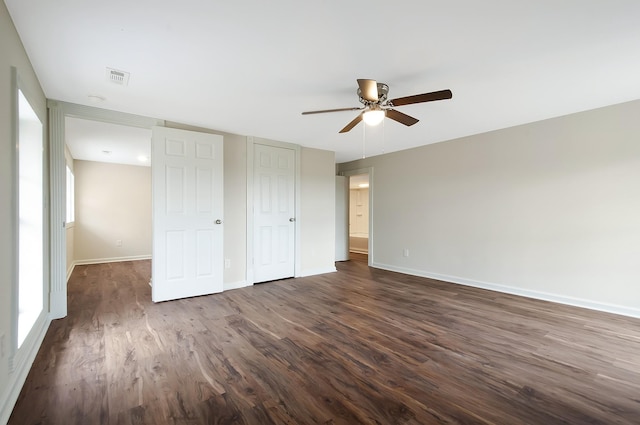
point(358, 251)
point(58, 304)
point(70, 270)
point(321, 270)
point(111, 260)
point(227, 286)
point(545, 296)
point(19, 367)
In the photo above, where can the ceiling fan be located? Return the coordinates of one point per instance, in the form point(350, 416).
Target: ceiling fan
point(376, 106)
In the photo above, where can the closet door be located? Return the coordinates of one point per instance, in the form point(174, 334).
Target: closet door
point(274, 213)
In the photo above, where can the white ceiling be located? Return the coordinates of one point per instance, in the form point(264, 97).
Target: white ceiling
point(251, 67)
point(104, 142)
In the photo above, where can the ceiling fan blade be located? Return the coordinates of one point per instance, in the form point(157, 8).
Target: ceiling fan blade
point(419, 98)
point(400, 117)
point(352, 124)
point(331, 110)
point(368, 89)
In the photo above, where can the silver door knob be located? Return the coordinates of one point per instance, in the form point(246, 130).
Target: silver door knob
point(218, 221)
point(292, 219)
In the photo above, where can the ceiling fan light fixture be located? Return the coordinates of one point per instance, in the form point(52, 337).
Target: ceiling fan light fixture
point(373, 117)
point(376, 107)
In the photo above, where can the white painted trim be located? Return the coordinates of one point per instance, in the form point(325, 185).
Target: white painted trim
point(358, 251)
point(70, 270)
point(249, 277)
point(235, 285)
point(111, 260)
point(297, 259)
point(103, 115)
point(539, 295)
point(103, 260)
point(12, 338)
point(19, 369)
point(317, 271)
point(58, 202)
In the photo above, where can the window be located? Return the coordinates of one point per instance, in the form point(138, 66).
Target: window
point(71, 212)
point(30, 250)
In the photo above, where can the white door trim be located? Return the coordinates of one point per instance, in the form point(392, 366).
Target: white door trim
point(251, 141)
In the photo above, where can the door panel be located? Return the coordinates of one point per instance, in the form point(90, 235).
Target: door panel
point(187, 170)
point(274, 213)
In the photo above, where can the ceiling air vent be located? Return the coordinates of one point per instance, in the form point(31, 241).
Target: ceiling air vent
point(118, 77)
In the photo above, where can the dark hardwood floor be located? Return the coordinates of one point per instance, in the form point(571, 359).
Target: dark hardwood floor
point(357, 346)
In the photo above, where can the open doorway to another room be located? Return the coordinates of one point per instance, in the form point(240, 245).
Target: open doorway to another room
point(359, 217)
point(110, 166)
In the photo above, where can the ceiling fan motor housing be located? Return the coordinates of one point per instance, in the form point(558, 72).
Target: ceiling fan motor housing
point(383, 90)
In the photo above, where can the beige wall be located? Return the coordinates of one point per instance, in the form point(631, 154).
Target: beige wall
point(235, 208)
point(113, 202)
point(12, 54)
point(548, 209)
point(317, 211)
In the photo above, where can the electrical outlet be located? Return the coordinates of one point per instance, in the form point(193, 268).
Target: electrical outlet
point(119, 242)
point(405, 252)
point(227, 263)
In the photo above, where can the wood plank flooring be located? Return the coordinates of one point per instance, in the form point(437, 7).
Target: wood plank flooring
point(361, 346)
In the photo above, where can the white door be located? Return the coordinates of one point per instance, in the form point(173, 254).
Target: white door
point(274, 213)
point(187, 173)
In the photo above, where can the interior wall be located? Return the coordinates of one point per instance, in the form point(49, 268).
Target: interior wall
point(548, 209)
point(317, 210)
point(113, 203)
point(13, 55)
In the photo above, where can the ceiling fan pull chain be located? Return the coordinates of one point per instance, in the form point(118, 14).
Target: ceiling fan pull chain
point(383, 136)
point(364, 130)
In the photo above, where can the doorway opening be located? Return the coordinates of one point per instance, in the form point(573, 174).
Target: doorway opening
point(58, 113)
point(359, 217)
point(109, 190)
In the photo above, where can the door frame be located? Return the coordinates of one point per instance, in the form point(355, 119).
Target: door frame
point(369, 171)
point(251, 141)
point(58, 111)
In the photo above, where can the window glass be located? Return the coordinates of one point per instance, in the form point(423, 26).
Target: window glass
point(30, 218)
